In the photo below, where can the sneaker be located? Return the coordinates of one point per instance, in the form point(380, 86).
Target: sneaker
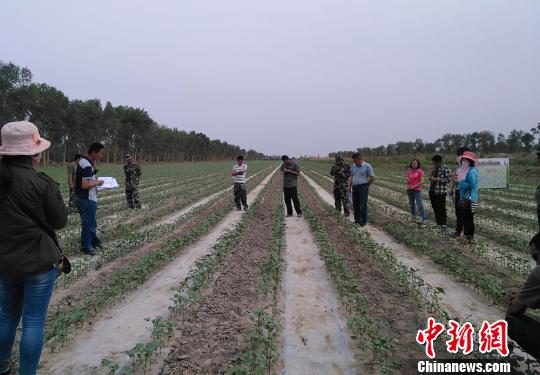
point(289, 215)
point(299, 215)
point(238, 208)
point(246, 208)
point(456, 235)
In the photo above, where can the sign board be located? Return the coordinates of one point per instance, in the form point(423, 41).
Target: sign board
point(494, 173)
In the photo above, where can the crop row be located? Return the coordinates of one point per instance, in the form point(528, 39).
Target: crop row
point(522, 219)
point(126, 279)
point(457, 264)
point(131, 238)
point(112, 226)
point(262, 353)
point(189, 291)
point(516, 241)
point(503, 234)
point(119, 206)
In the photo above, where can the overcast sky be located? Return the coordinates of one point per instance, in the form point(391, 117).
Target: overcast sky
point(294, 76)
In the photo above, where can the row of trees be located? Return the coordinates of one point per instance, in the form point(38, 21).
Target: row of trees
point(484, 142)
point(71, 125)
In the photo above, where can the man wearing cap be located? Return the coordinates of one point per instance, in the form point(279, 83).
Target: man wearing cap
point(133, 174)
point(521, 328)
point(72, 172)
point(31, 208)
point(86, 185)
point(341, 172)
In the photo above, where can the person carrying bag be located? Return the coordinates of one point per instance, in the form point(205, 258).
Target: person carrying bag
point(467, 181)
point(31, 208)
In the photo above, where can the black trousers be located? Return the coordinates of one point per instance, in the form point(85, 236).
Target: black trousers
point(466, 218)
point(240, 195)
point(526, 332)
point(360, 195)
point(291, 194)
point(459, 221)
point(438, 202)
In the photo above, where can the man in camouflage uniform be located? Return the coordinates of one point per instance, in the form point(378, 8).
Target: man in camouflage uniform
point(341, 172)
point(133, 174)
point(72, 173)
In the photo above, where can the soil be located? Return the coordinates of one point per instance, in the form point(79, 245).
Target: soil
point(459, 299)
point(212, 340)
point(386, 302)
point(85, 287)
point(129, 322)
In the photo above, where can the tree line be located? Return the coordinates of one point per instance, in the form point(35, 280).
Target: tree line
point(71, 125)
point(484, 142)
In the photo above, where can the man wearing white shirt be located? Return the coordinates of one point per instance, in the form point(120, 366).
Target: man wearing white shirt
point(239, 176)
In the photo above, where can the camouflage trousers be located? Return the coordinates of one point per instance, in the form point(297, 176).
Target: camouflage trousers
point(341, 199)
point(240, 195)
point(72, 206)
point(132, 196)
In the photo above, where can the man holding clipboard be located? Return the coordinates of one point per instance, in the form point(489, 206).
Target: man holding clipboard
point(86, 185)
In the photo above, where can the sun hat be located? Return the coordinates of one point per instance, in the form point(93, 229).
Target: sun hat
point(469, 155)
point(22, 138)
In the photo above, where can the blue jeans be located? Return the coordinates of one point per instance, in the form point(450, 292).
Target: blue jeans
point(89, 238)
point(415, 199)
point(28, 298)
point(360, 203)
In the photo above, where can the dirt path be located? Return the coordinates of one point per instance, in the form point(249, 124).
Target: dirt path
point(213, 338)
point(315, 340)
point(459, 300)
point(129, 322)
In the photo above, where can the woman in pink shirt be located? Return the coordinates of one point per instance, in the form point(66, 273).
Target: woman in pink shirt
point(415, 178)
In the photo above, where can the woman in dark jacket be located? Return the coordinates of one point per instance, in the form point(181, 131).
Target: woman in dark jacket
point(30, 207)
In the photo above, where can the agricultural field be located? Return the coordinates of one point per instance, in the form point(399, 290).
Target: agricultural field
point(189, 285)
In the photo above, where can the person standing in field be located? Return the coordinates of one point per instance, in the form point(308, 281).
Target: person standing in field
point(291, 171)
point(132, 170)
point(538, 188)
point(361, 178)
point(72, 172)
point(239, 172)
point(31, 208)
point(438, 189)
point(341, 172)
point(453, 192)
point(415, 179)
point(86, 185)
point(468, 192)
point(521, 328)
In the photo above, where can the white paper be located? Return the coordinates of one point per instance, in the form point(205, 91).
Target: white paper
point(108, 183)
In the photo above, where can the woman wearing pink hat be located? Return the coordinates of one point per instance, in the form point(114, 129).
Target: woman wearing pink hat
point(31, 207)
point(467, 180)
